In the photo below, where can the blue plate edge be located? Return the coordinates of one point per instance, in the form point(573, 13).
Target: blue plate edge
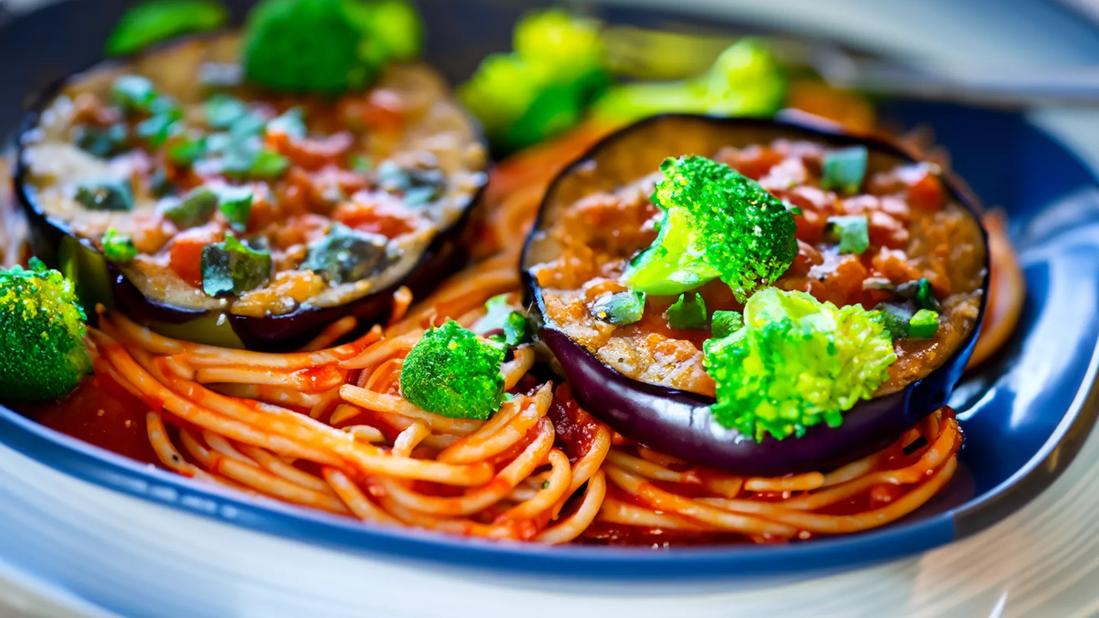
point(1042, 469)
point(104, 469)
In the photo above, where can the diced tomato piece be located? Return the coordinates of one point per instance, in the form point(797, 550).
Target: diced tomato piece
point(926, 193)
point(847, 279)
point(753, 161)
point(373, 215)
point(893, 265)
point(886, 231)
point(313, 153)
point(383, 111)
point(815, 206)
point(185, 253)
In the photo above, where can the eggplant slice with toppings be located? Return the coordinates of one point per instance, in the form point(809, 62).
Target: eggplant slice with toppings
point(919, 245)
point(220, 213)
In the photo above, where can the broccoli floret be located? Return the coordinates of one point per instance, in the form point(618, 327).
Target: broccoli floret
point(41, 334)
point(395, 28)
point(117, 247)
point(745, 80)
point(717, 223)
point(158, 20)
point(307, 46)
point(327, 46)
point(688, 312)
point(725, 323)
point(503, 323)
point(545, 86)
point(797, 362)
point(454, 373)
point(558, 43)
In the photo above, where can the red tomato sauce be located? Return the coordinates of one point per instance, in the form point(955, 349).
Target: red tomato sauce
point(102, 413)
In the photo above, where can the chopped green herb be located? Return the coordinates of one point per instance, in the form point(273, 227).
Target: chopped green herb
point(895, 318)
point(725, 323)
point(220, 75)
point(851, 233)
point(346, 255)
point(156, 129)
point(223, 111)
point(105, 195)
point(291, 122)
point(688, 312)
point(621, 308)
point(118, 248)
point(268, 165)
point(844, 169)
point(158, 20)
point(247, 162)
point(102, 142)
point(503, 323)
point(134, 93)
point(231, 267)
point(418, 186)
point(235, 204)
point(187, 148)
point(247, 126)
point(192, 209)
point(924, 324)
point(516, 329)
point(920, 292)
point(359, 163)
point(159, 184)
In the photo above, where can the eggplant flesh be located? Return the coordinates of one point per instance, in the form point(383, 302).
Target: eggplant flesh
point(438, 131)
point(678, 422)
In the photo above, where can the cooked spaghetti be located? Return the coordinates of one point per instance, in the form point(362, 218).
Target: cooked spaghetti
point(422, 397)
point(326, 428)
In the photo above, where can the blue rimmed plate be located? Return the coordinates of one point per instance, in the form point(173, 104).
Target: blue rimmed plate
point(1025, 414)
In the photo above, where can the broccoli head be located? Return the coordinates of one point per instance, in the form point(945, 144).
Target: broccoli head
point(545, 86)
point(745, 80)
point(326, 46)
point(42, 335)
point(453, 372)
point(796, 362)
point(394, 26)
point(717, 223)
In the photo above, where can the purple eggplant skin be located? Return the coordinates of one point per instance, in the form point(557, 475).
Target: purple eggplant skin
point(101, 282)
point(678, 422)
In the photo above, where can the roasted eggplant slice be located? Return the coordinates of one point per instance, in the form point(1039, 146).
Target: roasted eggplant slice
point(875, 227)
point(221, 213)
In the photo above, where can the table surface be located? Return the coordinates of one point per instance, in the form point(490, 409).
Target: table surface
point(1042, 560)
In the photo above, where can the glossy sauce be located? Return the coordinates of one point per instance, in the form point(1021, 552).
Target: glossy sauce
point(102, 413)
